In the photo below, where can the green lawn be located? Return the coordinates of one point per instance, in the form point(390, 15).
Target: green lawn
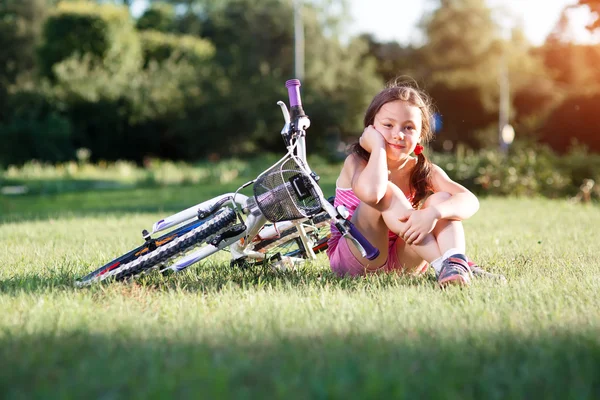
point(217, 332)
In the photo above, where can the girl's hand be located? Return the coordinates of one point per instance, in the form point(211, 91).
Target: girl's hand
point(371, 139)
point(419, 223)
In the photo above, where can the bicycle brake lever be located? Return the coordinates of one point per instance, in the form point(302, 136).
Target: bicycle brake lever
point(284, 110)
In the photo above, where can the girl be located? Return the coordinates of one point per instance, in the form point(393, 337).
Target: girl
point(407, 207)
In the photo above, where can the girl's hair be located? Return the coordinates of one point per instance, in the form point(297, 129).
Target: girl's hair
point(420, 178)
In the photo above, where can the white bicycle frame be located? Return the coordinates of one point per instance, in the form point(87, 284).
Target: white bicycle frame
point(241, 245)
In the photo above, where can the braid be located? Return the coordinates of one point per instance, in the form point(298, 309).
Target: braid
point(420, 180)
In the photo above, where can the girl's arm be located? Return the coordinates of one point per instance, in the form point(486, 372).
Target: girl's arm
point(369, 182)
point(462, 205)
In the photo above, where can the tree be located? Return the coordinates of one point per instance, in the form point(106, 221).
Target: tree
point(393, 60)
point(574, 120)
point(462, 62)
point(20, 26)
point(574, 67)
point(159, 16)
point(254, 56)
point(575, 72)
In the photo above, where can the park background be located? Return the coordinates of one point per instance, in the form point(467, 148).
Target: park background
point(197, 80)
point(114, 115)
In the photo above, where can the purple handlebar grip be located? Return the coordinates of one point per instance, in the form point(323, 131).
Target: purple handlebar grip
point(372, 251)
point(293, 87)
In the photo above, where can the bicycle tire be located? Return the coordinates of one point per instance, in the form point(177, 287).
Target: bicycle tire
point(288, 243)
point(163, 254)
point(143, 249)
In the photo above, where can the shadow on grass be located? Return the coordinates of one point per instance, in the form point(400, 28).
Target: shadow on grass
point(215, 277)
point(79, 364)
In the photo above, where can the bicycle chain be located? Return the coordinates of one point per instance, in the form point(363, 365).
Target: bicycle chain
point(172, 250)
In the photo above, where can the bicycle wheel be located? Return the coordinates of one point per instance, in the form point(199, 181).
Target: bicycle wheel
point(169, 246)
point(289, 244)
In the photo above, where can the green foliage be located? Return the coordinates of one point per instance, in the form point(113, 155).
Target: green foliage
point(529, 169)
point(159, 17)
point(463, 47)
point(342, 83)
point(118, 109)
point(202, 77)
point(464, 55)
point(46, 178)
point(32, 135)
point(170, 93)
point(102, 34)
point(393, 60)
point(160, 46)
point(254, 43)
point(72, 176)
point(20, 25)
point(579, 164)
point(34, 129)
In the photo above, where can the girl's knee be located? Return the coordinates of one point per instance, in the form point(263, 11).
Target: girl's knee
point(436, 198)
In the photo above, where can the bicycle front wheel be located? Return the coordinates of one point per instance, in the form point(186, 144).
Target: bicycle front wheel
point(172, 245)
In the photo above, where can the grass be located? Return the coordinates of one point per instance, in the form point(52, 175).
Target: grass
point(218, 332)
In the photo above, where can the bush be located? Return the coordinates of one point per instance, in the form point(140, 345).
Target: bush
point(103, 32)
point(161, 46)
point(159, 17)
point(524, 171)
point(34, 129)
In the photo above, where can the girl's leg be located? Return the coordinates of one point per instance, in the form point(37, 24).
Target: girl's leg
point(374, 223)
point(448, 235)
point(369, 222)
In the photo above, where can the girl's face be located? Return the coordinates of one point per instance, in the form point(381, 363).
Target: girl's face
point(400, 124)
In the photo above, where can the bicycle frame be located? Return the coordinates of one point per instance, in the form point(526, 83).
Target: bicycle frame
point(241, 243)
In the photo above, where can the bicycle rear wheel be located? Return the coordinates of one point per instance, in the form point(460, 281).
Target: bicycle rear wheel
point(169, 246)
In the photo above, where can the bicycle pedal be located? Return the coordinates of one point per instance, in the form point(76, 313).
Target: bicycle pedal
point(274, 258)
point(149, 241)
point(241, 263)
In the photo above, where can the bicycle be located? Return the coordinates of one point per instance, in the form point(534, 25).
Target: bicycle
point(286, 194)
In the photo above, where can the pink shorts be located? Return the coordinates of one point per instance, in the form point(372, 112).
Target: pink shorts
point(344, 263)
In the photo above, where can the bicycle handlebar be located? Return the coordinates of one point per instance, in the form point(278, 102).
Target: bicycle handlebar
point(297, 114)
point(371, 251)
point(296, 111)
point(293, 87)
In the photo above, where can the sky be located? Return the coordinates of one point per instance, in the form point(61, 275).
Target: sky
point(397, 20)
